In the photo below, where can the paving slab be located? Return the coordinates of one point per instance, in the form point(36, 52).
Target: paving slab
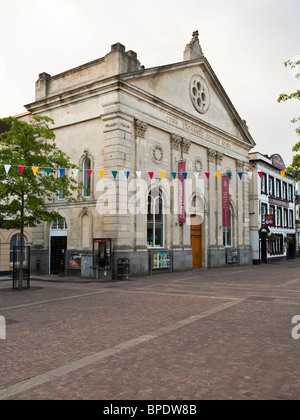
point(204, 334)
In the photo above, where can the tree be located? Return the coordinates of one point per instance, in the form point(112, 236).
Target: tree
point(295, 166)
point(24, 194)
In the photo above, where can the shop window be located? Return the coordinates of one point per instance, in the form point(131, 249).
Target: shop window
point(276, 245)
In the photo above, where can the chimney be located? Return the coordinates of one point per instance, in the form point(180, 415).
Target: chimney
point(193, 50)
point(42, 86)
point(117, 61)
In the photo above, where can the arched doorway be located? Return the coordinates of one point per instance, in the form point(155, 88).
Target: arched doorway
point(58, 246)
point(196, 240)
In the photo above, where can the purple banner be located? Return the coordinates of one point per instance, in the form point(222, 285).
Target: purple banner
point(181, 193)
point(225, 201)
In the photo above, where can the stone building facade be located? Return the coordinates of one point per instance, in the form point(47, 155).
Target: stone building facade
point(112, 114)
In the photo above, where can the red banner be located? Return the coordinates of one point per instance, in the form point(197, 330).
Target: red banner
point(225, 201)
point(181, 193)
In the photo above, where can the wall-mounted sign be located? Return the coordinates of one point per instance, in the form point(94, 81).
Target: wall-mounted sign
point(278, 162)
point(269, 220)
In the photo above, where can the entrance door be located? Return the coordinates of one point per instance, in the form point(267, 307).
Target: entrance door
point(264, 249)
point(196, 241)
point(58, 249)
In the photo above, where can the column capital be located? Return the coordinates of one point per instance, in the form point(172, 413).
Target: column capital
point(211, 155)
point(175, 142)
point(220, 158)
point(185, 145)
point(141, 128)
point(239, 165)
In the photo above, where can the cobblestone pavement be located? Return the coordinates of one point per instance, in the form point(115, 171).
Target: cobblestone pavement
point(203, 334)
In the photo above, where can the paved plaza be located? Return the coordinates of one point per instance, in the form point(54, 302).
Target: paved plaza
point(204, 334)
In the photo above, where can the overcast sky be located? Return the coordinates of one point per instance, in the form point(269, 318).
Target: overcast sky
point(245, 41)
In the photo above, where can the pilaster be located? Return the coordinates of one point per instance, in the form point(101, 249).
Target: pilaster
point(219, 211)
point(211, 158)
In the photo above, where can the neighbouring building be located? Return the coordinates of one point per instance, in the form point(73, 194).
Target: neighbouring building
point(272, 209)
point(297, 218)
point(132, 131)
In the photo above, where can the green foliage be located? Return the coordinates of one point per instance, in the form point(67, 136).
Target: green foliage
point(23, 197)
point(294, 168)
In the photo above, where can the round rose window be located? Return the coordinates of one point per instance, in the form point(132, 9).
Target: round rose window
point(199, 94)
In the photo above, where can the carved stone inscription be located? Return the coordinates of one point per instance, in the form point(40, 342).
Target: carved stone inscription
point(198, 131)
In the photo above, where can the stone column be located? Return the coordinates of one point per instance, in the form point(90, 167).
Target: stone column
point(141, 217)
point(175, 142)
point(186, 233)
point(212, 205)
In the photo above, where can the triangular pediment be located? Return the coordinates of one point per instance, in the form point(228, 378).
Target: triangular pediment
point(193, 87)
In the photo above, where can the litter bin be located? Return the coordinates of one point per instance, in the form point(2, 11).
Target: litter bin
point(123, 269)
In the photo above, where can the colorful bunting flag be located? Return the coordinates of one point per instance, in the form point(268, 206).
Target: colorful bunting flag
point(75, 172)
point(282, 174)
point(218, 175)
point(48, 171)
point(184, 174)
point(102, 173)
point(115, 173)
point(207, 174)
point(126, 173)
point(138, 173)
point(34, 170)
point(61, 171)
point(250, 175)
point(88, 172)
point(162, 174)
point(7, 168)
point(260, 174)
point(229, 174)
point(240, 174)
point(151, 174)
point(21, 169)
point(174, 174)
point(196, 175)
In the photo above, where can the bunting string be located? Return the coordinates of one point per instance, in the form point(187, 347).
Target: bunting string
point(128, 174)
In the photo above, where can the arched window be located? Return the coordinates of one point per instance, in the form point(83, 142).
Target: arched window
point(16, 241)
point(86, 180)
point(61, 192)
point(155, 220)
point(227, 232)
